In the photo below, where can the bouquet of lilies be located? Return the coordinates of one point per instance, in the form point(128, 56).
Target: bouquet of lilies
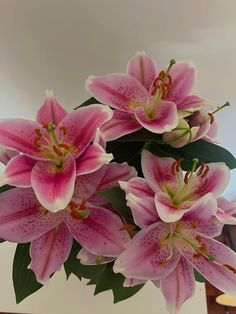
point(122, 190)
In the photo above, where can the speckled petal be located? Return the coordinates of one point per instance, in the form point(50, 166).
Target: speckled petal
point(119, 91)
point(145, 258)
point(49, 252)
point(178, 286)
point(221, 270)
point(101, 233)
point(22, 219)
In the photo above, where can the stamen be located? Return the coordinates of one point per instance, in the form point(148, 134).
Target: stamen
point(36, 141)
point(221, 107)
point(200, 171)
point(73, 205)
point(173, 168)
point(83, 204)
point(161, 262)
point(205, 172)
point(197, 255)
point(194, 224)
point(63, 129)
point(186, 177)
point(211, 117)
point(38, 132)
point(66, 146)
point(57, 151)
point(231, 268)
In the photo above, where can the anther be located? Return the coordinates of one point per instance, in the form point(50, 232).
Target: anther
point(161, 262)
point(63, 145)
point(205, 172)
point(38, 132)
point(186, 177)
point(200, 171)
point(197, 255)
point(231, 268)
point(63, 129)
point(57, 151)
point(211, 117)
point(174, 168)
point(36, 141)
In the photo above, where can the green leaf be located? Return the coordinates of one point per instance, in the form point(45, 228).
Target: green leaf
point(142, 135)
point(87, 102)
point(72, 265)
point(116, 197)
point(109, 280)
point(206, 152)
point(24, 279)
point(199, 277)
point(123, 293)
point(5, 188)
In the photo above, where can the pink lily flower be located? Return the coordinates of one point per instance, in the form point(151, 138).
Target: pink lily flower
point(145, 97)
point(171, 192)
point(168, 253)
point(98, 230)
point(55, 149)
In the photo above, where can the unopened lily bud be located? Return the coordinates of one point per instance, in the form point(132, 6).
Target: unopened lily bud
point(181, 135)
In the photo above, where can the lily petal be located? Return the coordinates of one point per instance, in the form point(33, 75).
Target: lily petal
point(158, 172)
point(80, 126)
point(50, 111)
point(122, 123)
point(183, 77)
point(18, 171)
point(49, 252)
point(86, 185)
point(143, 209)
point(119, 91)
point(6, 155)
point(164, 117)
point(143, 68)
point(19, 135)
point(137, 186)
point(178, 286)
point(166, 210)
point(131, 282)
point(22, 219)
point(115, 172)
point(220, 271)
point(216, 180)
point(101, 233)
point(87, 258)
point(145, 258)
point(93, 158)
point(54, 186)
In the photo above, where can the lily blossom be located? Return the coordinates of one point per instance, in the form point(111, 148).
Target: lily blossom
point(167, 253)
point(173, 193)
point(98, 230)
point(55, 149)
